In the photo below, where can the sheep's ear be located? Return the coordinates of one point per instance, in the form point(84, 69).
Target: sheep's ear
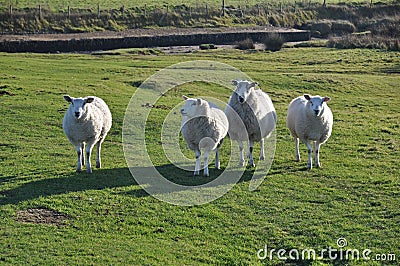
point(185, 97)
point(253, 84)
point(234, 82)
point(68, 98)
point(307, 97)
point(326, 99)
point(199, 101)
point(89, 99)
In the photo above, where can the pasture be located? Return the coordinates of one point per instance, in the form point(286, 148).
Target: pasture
point(90, 4)
point(107, 219)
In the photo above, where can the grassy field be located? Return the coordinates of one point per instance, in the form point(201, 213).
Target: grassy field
point(107, 4)
point(107, 219)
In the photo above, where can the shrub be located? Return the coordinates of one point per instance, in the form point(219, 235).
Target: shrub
point(273, 42)
point(207, 46)
point(364, 41)
point(245, 44)
point(343, 26)
point(324, 27)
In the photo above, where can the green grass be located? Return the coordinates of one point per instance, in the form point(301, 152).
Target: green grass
point(62, 5)
point(355, 195)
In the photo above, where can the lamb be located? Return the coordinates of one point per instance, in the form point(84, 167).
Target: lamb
point(251, 117)
point(310, 119)
point(87, 121)
point(203, 127)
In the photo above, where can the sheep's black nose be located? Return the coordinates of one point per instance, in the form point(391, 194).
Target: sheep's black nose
point(316, 112)
point(77, 114)
point(241, 99)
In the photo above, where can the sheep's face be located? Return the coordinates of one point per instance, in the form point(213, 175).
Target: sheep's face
point(194, 107)
point(243, 89)
point(316, 104)
point(78, 105)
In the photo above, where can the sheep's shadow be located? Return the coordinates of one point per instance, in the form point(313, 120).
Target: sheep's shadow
point(75, 182)
point(113, 178)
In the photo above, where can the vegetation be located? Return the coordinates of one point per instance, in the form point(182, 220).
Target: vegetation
point(273, 42)
point(331, 19)
point(50, 215)
point(245, 44)
point(365, 41)
point(207, 46)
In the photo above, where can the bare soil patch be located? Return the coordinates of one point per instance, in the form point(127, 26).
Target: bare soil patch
point(42, 216)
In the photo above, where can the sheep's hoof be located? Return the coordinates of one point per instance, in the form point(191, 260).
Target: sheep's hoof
point(89, 171)
point(78, 170)
point(251, 164)
point(217, 166)
point(262, 158)
point(206, 174)
point(196, 173)
point(309, 167)
point(241, 163)
point(98, 165)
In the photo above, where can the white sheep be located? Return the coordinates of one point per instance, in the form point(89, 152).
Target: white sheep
point(86, 122)
point(251, 117)
point(203, 127)
point(310, 119)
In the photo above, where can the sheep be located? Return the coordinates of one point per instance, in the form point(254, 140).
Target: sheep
point(310, 119)
point(86, 122)
point(203, 127)
point(251, 117)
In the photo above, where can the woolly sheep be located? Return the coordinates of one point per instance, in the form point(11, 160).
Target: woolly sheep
point(203, 127)
point(310, 119)
point(251, 117)
point(87, 121)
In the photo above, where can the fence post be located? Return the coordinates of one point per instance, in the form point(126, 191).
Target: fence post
point(223, 8)
point(166, 16)
point(11, 10)
point(40, 12)
point(69, 12)
point(145, 10)
point(206, 12)
point(98, 10)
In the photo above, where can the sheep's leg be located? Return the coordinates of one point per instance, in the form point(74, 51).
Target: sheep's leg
point(80, 160)
point(89, 147)
point(317, 146)
point(206, 154)
point(262, 155)
point(197, 153)
point(309, 150)
point(217, 163)
point(82, 149)
point(296, 145)
point(251, 160)
point(241, 153)
point(98, 158)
